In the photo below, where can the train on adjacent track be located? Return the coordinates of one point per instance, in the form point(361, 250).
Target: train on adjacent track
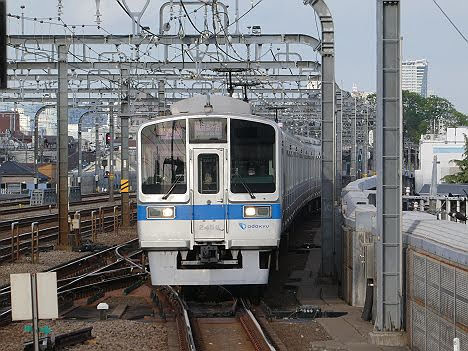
point(217, 186)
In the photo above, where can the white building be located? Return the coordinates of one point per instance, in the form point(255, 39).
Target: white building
point(447, 148)
point(414, 76)
point(355, 92)
point(25, 122)
point(47, 123)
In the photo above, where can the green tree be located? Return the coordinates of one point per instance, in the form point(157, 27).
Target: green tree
point(462, 176)
point(414, 115)
point(423, 115)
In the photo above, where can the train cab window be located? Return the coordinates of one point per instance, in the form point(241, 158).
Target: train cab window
point(208, 174)
point(207, 130)
point(163, 158)
point(253, 165)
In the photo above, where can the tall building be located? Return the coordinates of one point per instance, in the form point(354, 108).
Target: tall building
point(414, 76)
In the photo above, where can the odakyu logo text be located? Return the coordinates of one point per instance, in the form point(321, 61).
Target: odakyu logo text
point(245, 226)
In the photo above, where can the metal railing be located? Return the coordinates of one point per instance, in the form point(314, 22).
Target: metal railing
point(15, 249)
point(35, 242)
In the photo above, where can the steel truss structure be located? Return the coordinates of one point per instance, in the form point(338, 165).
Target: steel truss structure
point(146, 72)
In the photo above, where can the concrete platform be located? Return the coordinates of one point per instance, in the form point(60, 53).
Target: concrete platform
point(348, 332)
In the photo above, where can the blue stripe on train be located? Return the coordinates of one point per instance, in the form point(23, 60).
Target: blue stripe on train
point(209, 212)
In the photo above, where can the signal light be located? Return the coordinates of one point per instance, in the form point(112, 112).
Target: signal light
point(108, 138)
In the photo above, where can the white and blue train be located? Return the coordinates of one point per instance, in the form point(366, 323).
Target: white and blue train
point(216, 188)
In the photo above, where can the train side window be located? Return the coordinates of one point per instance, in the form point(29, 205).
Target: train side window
point(208, 174)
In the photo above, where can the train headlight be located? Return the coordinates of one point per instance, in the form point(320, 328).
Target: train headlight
point(249, 212)
point(168, 212)
point(161, 212)
point(257, 211)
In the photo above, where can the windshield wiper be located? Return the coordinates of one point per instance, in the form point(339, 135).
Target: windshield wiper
point(252, 196)
point(176, 181)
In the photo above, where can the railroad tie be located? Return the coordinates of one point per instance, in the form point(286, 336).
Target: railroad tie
point(118, 311)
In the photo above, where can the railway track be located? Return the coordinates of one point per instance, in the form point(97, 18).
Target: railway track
point(48, 236)
point(26, 201)
point(90, 276)
point(7, 208)
point(240, 331)
point(5, 225)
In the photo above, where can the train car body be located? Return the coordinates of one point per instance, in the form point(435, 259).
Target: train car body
point(216, 188)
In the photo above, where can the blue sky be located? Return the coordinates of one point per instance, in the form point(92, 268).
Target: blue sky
point(426, 33)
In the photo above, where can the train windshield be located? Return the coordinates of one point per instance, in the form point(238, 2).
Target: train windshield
point(252, 157)
point(163, 158)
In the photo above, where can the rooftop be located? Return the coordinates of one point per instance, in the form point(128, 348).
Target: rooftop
point(12, 168)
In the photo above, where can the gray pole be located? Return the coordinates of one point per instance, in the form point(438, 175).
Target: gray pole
point(97, 167)
point(408, 157)
point(125, 109)
point(339, 144)
point(36, 144)
point(328, 137)
point(433, 189)
point(62, 117)
point(389, 310)
point(80, 155)
point(353, 170)
point(338, 185)
point(80, 148)
point(365, 147)
point(111, 153)
point(161, 97)
point(35, 311)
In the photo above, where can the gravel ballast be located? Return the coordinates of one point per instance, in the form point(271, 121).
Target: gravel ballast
point(299, 335)
point(120, 237)
point(108, 335)
point(46, 260)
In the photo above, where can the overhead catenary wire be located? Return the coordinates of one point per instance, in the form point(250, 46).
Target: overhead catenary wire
point(146, 51)
point(451, 22)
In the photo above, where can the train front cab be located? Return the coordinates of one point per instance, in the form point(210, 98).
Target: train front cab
point(209, 210)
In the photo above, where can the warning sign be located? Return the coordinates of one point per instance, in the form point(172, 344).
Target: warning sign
point(124, 185)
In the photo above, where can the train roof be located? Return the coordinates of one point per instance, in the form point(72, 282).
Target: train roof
point(220, 105)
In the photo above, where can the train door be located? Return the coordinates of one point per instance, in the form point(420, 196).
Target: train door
point(209, 212)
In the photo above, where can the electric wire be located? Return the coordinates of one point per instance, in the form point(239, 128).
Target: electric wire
point(451, 22)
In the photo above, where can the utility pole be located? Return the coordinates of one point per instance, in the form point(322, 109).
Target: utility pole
point(353, 169)
point(338, 183)
point(124, 166)
point(80, 156)
point(36, 143)
point(390, 312)
point(328, 197)
point(111, 153)
point(97, 167)
point(161, 97)
point(3, 46)
point(365, 147)
point(80, 148)
point(62, 145)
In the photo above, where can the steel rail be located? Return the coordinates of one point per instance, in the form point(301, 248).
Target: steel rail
point(14, 210)
point(51, 234)
point(184, 327)
point(253, 329)
point(108, 284)
point(6, 224)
